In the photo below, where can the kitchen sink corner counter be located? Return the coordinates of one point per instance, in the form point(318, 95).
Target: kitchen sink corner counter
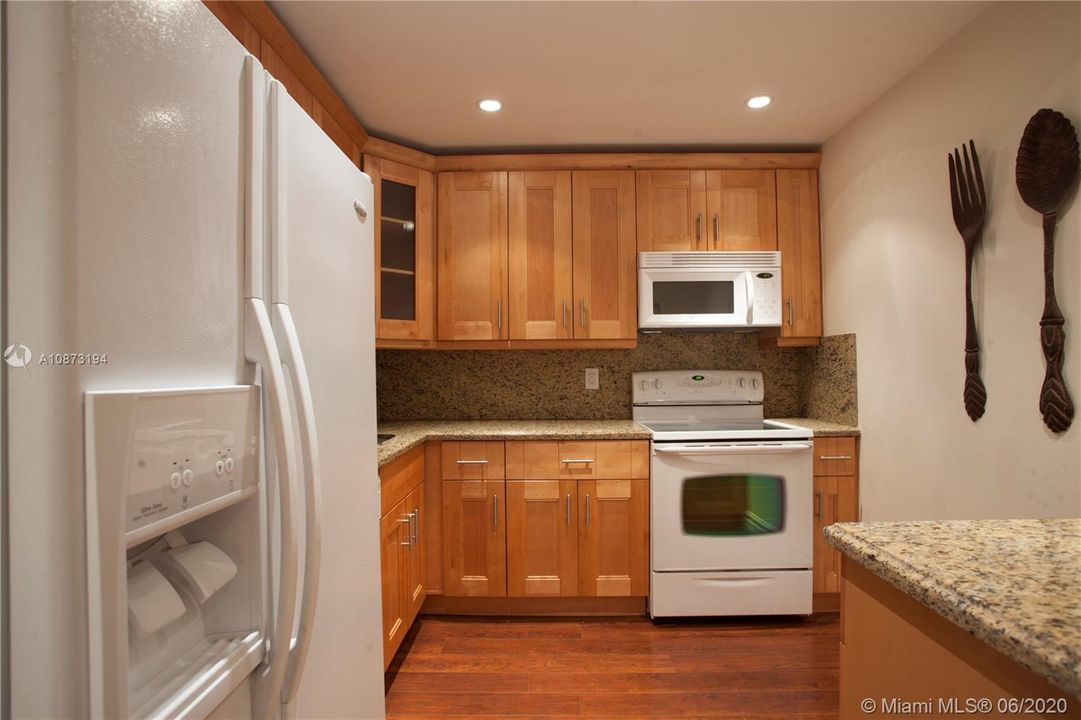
point(822, 428)
point(408, 435)
point(1015, 585)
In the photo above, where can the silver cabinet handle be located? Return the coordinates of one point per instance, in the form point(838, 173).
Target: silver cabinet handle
point(495, 511)
point(582, 313)
point(564, 313)
point(716, 230)
point(577, 460)
point(471, 462)
point(834, 457)
point(568, 509)
point(698, 230)
point(788, 304)
point(416, 521)
point(499, 314)
point(587, 509)
point(408, 520)
point(818, 504)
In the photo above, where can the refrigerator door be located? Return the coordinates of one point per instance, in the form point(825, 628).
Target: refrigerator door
point(123, 240)
point(324, 256)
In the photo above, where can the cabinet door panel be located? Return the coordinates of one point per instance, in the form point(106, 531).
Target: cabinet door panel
point(472, 242)
point(540, 255)
point(801, 259)
point(741, 210)
point(605, 284)
point(671, 210)
point(613, 537)
point(542, 540)
point(404, 257)
point(472, 460)
point(826, 560)
point(394, 536)
point(474, 538)
point(415, 586)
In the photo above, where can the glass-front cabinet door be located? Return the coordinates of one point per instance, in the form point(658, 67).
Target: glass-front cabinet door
point(404, 278)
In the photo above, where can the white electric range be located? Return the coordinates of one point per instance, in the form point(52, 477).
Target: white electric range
point(730, 497)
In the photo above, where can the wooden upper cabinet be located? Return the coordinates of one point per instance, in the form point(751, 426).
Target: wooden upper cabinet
point(542, 538)
point(671, 210)
point(540, 255)
point(605, 303)
point(472, 250)
point(404, 262)
point(474, 538)
point(741, 210)
point(801, 255)
point(335, 132)
point(613, 537)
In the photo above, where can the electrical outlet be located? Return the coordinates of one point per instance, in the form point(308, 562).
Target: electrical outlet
point(593, 379)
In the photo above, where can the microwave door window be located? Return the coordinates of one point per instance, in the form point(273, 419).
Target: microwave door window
point(694, 297)
point(733, 505)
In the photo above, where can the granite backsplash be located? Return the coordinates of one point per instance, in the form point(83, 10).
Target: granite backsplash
point(544, 384)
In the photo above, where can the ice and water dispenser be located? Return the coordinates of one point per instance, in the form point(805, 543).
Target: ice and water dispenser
point(176, 548)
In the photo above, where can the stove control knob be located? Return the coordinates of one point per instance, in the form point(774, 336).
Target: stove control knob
point(742, 382)
point(657, 384)
point(754, 383)
point(644, 384)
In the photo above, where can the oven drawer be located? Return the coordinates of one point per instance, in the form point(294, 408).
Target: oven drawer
point(785, 592)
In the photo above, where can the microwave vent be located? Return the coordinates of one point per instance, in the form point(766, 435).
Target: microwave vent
point(719, 260)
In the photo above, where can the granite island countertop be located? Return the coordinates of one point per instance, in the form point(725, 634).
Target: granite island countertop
point(1014, 584)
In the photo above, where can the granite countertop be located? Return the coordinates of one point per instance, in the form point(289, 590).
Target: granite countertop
point(1014, 584)
point(822, 428)
point(409, 434)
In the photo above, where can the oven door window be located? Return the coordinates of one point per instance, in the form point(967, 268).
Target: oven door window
point(733, 505)
point(694, 297)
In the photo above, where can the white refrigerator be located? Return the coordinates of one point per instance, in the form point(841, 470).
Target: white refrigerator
point(173, 220)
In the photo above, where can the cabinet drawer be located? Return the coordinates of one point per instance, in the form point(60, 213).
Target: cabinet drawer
point(577, 459)
point(472, 461)
point(835, 456)
point(398, 477)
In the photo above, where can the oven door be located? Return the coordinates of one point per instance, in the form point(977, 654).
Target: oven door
point(694, 297)
point(731, 506)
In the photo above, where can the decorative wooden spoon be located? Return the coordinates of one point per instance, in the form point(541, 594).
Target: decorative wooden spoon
point(1047, 162)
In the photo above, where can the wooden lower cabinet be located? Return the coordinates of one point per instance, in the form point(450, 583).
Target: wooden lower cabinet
point(613, 537)
point(474, 538)
point(401, 556)
point(542, 538)
point(836, 499)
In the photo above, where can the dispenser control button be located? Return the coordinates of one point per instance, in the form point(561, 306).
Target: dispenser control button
point(187, 476)
point(219, 468)
point(229, 464)
point(174, 480)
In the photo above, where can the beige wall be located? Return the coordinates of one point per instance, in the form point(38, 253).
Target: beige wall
point(894, 274)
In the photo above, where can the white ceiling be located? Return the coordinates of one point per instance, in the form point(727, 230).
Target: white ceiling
point(592, 75)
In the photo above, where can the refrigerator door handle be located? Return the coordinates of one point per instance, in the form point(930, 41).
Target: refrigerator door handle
point(293, 358)
point(260, 348)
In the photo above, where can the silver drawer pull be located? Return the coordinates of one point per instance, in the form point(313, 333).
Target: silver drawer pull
point(471, 462)
point(577, 460)
point(834, 457)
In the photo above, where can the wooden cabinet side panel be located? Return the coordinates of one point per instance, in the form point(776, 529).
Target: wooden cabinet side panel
point(472, 256)
point(415, 587)
point(542, 543)
point(392, 558)
point(605, 304)
point(433, 517)
point(540, 255)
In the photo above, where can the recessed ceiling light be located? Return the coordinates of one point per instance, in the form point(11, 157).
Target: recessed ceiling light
point(758, 101)
point(489, 105)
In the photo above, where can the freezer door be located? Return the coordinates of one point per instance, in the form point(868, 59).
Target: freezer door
point(321, 265)
point(123, 244)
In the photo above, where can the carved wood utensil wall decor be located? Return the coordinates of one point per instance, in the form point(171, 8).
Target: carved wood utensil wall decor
point(969, 203)
point(1047, 162)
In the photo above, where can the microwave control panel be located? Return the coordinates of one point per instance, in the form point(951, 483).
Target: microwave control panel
point(175, 452)
point(767, 297)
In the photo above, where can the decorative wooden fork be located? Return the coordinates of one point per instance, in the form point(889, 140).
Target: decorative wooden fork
point(969, 207)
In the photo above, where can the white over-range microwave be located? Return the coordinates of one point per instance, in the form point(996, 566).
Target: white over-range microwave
point(709, 290)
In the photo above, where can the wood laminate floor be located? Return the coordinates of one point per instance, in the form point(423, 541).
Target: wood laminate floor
point(623, 668)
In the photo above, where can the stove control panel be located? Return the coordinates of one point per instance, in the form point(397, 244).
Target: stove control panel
point(697, 386)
